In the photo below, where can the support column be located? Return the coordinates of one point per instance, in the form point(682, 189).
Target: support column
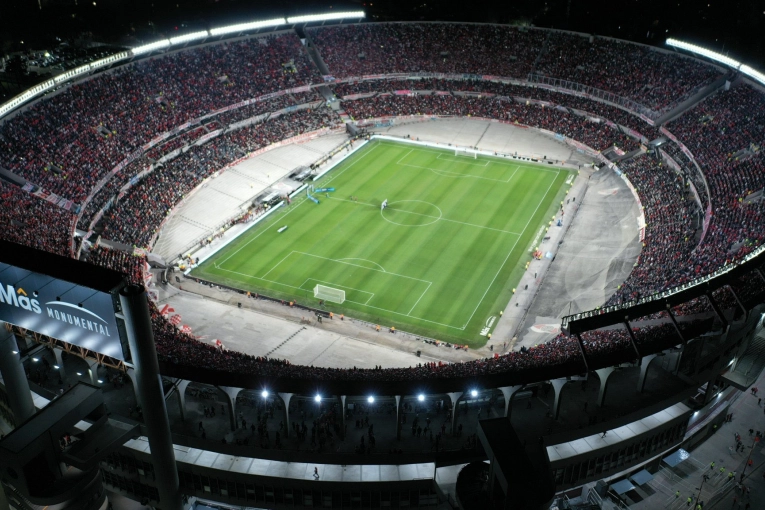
point(130, 373)
point(645, 362)
point(603, 375)
point(398, 416)
point(286, 397)
point(557, 385)
point(455, 398)
point(92, 371)
point(710, 393)
point(135, 309)
point(60, 362)
point(16, 383)
point(230, 394)
point(180, 387)
point(342, 410)
point(509, 392)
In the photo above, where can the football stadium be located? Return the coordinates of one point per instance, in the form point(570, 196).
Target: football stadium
point(326, 261)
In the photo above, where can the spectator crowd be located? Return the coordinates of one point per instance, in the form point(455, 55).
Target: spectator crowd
point(67, 142)
point(643, 74)
point(71, 140)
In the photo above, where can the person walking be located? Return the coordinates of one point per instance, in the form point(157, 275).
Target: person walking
point(316, 473)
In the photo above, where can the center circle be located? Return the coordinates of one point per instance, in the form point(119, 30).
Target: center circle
point(411, 213)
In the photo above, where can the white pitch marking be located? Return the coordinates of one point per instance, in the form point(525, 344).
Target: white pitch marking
point(333, 176)
point(508, 255)
point(417, 302)
point(427, 216)
point(365, 260)
point(277, 264)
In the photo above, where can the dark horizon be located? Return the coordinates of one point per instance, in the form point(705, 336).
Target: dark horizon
point(731, 28)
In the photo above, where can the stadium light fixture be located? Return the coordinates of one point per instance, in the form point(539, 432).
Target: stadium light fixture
point(100, 381)
point(35, 359)
point(712, 55)
point(148, 48)
point(371, 400)
point(473, 393)
point(317, 398)
point(79, 373)
point(326, 17)
point(753, 74)
point(194, 36)
point(244, 27)
point(56, 367)
point(421, 397)
point(264, 393)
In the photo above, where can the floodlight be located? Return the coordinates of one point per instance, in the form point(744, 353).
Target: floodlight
point(194, 36)
point(473, 393)
point(421, 397)
point(712, 55)
point(71, 74)
point(35, 359)
point(147, 48)
point(317, 398)
point(55, 366)
point(264, 394)
point(370, 400)
point(79, 373)
point(243, 27)
point(754, 74)
point(326, 17)
point(15, 352)
point(100, 381)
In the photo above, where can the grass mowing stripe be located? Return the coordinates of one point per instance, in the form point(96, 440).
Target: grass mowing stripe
point(509, 253)
point(458, 242)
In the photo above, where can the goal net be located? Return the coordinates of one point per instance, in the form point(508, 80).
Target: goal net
point(329, 294)
point(466, 153)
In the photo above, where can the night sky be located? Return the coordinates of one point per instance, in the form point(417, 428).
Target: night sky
point(734, 26)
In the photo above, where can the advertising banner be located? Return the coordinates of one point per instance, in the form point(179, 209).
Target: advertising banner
point(69, 312)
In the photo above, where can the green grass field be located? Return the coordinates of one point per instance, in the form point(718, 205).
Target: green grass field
point(440, 261)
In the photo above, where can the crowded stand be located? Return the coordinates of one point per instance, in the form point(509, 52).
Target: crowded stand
point(66, 143)
point(700, 305)
point(596, 135)
point(650, 77)
point(689, 169)
point(254, 109)
point(356, 50)
point(110, 189)
point(70, 141)
point(605, 341)
point(647, 76)
point(669, 236)
point(583, 104)
point(733, 167)
point(176, 348)
point(34, 222)
point(748, 289)
point(647, 336)
point(136, 217)
point(128, 264)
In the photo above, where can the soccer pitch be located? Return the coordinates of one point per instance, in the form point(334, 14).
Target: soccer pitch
point(439, 261)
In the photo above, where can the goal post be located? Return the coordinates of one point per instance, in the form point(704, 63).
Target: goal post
point(466, 152)
point(329, 294)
